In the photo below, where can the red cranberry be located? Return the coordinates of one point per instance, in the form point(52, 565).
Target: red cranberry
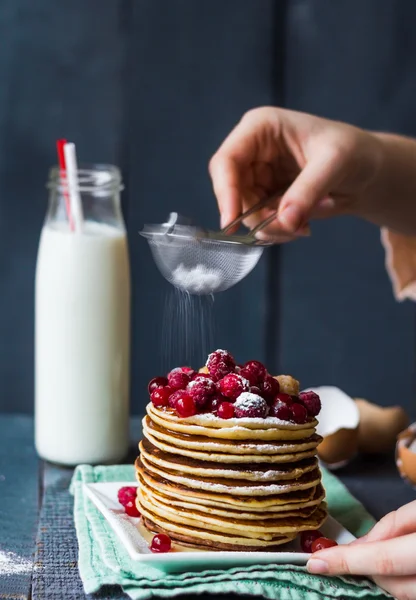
point(214, 402)
point(219, 364)
point(126, 494)
point(178, 380)
point(299, 413)
point(185, 406)
point(250, 405)
point(131, 509)
point(269, 387)
point(307, 538)
point(161, 543)
point(232, 385)
point(312, 402)
point(281, 411)
point(285, 398)
point(254, 371)
point(189, 370)
point(157, 382)
point(173, 399)
point(201, 389)
point(322, 543)
point(255, 390)
point(225, 410)
point(160, 396)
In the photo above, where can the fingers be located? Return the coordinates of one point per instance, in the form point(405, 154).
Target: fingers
point(225, 176)
point(388, 557)
point(398, 523)
point(313, 184)
point(401, 588)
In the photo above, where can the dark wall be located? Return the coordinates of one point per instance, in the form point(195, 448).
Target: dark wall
point(154, 86)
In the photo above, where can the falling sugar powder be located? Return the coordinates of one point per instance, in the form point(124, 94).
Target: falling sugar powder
point(197, 280)
point(12, 564)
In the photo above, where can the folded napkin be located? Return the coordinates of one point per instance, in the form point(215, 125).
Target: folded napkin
point(104, 561)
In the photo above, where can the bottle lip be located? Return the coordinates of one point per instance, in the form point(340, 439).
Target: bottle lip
point(91, 178)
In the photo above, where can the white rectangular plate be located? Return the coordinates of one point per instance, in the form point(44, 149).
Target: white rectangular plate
point(104, 496)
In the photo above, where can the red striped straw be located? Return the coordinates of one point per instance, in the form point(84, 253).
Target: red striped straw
point(61, 159)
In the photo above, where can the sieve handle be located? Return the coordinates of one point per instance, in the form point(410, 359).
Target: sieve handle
point(258, 206)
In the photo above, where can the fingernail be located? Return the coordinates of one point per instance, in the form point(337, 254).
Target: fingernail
point(224, 221)
point(317, 566)
point(290, 218)
point(304, 231)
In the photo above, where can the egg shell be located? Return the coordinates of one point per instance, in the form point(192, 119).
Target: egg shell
point(405, 455)
point(338, 425)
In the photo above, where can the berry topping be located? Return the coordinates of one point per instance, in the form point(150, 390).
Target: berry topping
point(178, 380)
point(126, 494)
point(201, 389)
point(281, 411)
point(131, 509)
point(186, 406)
point(322, 543)
point(250, 405)
point(285, 398)
point(225, 410)
point(160, 396)
point(195, 375)
point(307, 538)
point(312, 402)
point(254, 371)
point(299, 413)
point(255, 390)
point(175, 397)
point(219, 364)
point(269, 387)
point(232, 385)
point(189, 370)
point(161, 543)
point(157, 382)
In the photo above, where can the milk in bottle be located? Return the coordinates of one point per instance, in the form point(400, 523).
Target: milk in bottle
point(82, 322)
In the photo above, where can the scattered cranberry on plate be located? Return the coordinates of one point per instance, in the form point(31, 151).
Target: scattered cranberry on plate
point(307, 538)
point(322, 543)
point(161, 543)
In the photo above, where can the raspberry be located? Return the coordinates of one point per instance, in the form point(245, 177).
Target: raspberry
point(161, 543)
point(322, 543)
point(250, 405)
point(232, 385)
point(178, 380)
point(189, 370)
point(285, 398)
point(160, 396)
point(157, 382)
point(185, 406)
point(307, 538)
point(254, 371)
point(201, 389)
point(299, 413)
point(131, 509)
point(312, 402)
point(269, 388)
point(219, 364)
point(126, 494)
point(195, 375)
point(225, 410)
point(175, 397)
point(281, 411)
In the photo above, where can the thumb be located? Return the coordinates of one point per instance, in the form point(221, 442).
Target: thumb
point(314, 182)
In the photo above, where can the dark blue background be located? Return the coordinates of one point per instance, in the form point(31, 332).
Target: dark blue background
point(154, 86)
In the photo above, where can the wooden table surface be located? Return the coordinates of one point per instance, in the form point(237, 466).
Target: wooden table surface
point(38, 549)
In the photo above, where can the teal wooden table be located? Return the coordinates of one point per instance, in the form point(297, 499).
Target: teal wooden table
point(38, 547)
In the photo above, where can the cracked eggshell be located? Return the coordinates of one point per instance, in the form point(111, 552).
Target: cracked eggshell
point(406, 454)
point(379, 427)
point(338, 425)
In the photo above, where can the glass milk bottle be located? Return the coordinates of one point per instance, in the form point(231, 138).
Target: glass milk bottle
point(82, 325)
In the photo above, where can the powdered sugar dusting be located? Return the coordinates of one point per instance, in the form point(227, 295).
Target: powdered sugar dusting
point(249, 400)
point(198, 280)
point(12, 564)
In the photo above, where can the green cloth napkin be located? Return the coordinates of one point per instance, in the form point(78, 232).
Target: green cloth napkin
point(104, 561)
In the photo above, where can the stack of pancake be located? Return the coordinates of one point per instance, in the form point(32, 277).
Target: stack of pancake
point(238, 484)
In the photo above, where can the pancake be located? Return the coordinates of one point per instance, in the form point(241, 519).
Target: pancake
point(192, 542)
point(295, 510)
point(215, 498)
point(236, 487)
point(229, 450)
point(243, 429)
point(250, 472)
point(264, 529)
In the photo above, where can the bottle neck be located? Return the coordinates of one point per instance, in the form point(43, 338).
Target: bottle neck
point(96, 197)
